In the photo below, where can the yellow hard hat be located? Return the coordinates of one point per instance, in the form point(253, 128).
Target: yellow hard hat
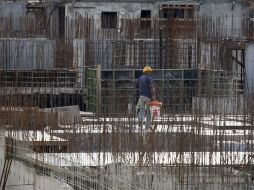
point(147, 69)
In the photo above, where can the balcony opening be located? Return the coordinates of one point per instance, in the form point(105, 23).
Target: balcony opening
point(145, 16)
point(109, 20)
point(174, 12)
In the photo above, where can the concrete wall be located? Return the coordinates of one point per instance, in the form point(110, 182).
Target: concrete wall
point(209, 55)
point(227, 15)
point(126, 10)
point(22, 177)
point(93, 10)
point(25, 53)
point(100, 52)
point(231, 13)
point(17, 9)
point(249, 68)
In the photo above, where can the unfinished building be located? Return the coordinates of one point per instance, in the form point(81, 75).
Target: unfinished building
point(68, 74)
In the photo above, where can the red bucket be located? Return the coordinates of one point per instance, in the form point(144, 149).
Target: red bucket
point(155, 109)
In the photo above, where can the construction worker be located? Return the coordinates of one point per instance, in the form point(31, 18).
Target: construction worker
point(146, 94)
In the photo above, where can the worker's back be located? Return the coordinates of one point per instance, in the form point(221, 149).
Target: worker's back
point(145, 82)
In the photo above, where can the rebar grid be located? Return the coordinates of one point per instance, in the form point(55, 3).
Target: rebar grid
point(203, 139)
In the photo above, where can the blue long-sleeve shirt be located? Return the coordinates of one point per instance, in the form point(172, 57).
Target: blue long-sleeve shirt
point(145, 83)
